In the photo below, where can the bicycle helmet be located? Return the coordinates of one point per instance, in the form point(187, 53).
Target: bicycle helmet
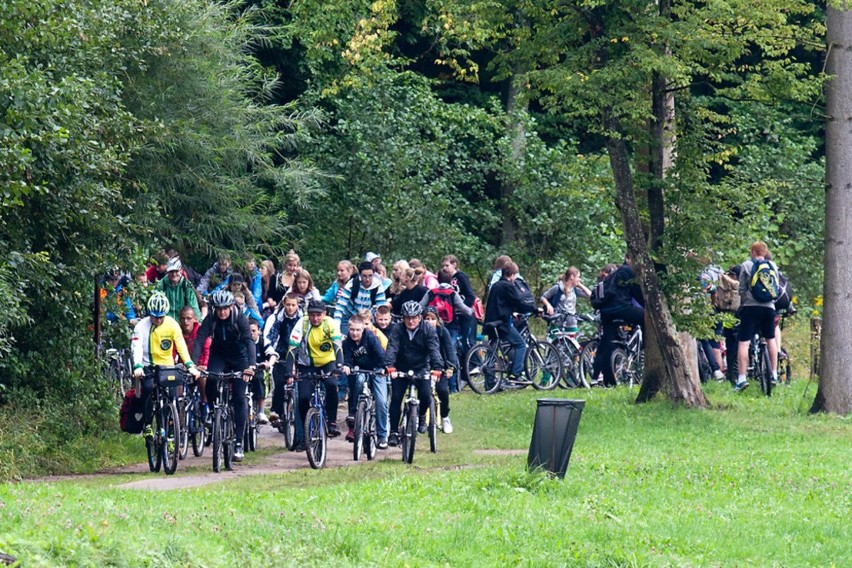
point(411, 309)
point(222, 299)
point(158, 305)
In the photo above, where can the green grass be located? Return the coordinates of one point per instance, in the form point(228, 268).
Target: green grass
point(751, 482)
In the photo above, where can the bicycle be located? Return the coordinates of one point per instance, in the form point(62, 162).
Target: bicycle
point(287, 420)
point(628, 356)
point(759, 366)
point(785, 371)
point(567, 344)
point(163, 447)
point(410, 418)
point(191, 421)
point(316, 422)
point(119, 371)
point(223, 421)
point(434, 422)
point(366, 440)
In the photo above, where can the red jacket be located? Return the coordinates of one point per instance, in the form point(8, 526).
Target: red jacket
point(190, 342)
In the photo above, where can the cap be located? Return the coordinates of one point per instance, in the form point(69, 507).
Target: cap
point(174, 264)
point(371, 256)
point(316, 307)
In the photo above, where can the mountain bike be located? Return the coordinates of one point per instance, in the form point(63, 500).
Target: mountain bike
point(759, 366)
point(410, 415)
point(163, 446)
point(568, 345)
point(316, 422)
point(191, 421)
point(252, 425)
point(119, 371)
point(223, 420)
point(628, 356)
point(287, 420)
point(366, 440)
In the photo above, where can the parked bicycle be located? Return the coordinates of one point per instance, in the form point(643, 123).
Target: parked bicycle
point(119, 370)
point(569, 345)
point(223, 434)
point(163, 446)
point(366, 437)
point(628, 356)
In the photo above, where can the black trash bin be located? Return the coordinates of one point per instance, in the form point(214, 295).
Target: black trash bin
point(554, 431)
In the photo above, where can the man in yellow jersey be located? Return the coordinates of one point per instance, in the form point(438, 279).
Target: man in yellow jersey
point(154, 340)
point(315, 345)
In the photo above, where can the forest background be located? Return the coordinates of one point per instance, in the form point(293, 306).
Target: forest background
point(416, 128)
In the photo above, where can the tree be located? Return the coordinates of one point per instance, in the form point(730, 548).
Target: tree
point(835, 386)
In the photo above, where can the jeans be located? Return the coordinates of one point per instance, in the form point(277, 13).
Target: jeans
point(510, 335)
point(379, 387)
point(708, 345)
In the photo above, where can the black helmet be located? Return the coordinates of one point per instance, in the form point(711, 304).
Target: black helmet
point(411, 309)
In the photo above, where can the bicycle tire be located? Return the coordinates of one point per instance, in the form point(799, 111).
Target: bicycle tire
point(288, 425)
point(251, 429)
point(315, 438)
point(196, 430)
point(153, 453)
point(229, 439)
point(371, 441)
point(588, 351)
point(171, 441)
point(360, 429)
point(409, 434)
point(183, 416)
point(620, 366)
point(543, 365)
point(570, 363)
point(765, 371)
point(432, 426)
point(485, 368)
point(218, 442)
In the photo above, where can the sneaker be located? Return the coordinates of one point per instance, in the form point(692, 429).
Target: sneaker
point(273, 417)
point(261, 418)
point(448, 426)
point(333, 430)
point(350, 435)
point(774, 380)
point(741, 386)
point(382, 444)
point(148, 432)
point(238, 453)
point(393, 439)
point(718, 375)
point(421, 425)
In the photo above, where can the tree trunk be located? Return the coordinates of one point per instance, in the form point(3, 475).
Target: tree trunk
point(676, 382)
point(517, 130)
point(835, 385)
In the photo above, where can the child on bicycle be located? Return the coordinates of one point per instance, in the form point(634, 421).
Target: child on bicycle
point(362, 349)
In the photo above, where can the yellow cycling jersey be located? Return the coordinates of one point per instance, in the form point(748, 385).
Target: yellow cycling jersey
point(316, 346)
point(155, 345)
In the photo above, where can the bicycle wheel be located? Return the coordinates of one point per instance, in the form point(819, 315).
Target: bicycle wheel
point(620, 366)
point(432, 426)
point(153, 454)
point(288, 424)
point(251, 429)
point(485, 368)
point(543, 365)
point(315, 437)
point(765, 371)
point(360, 429)
point(569, 356)
point(196, 430)
point(587, 363)
point(218, 440)
point(371, 439)
point(409, 434)
point(183, 416)
point(171, 441)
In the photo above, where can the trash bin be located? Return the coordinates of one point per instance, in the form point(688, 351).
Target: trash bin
point(554, 431)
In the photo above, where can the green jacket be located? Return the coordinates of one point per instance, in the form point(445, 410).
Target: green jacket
point(180, 295)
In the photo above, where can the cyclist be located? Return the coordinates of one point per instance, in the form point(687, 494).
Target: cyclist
point(178, 289)
point(384, 320)
point(189, 326)
point(451, 364)
point(413, 346)
point(153, 343)
point(315, 345)
point(361, 348)
point(231, 350)
point(276, 332)
point(504, 300)
point(561, 298)
point(269, 357)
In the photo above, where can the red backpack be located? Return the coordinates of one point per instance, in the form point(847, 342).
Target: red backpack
point(442, 300)
point(131, 414)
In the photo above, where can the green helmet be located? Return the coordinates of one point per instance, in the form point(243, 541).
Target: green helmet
point(158, 305)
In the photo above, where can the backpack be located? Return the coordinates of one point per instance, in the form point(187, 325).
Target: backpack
point(356, 289)
point(478, 309)
point(442, 300)
point(785, 298)
point(526, 294)
point(603, 291)
point(727, 294)
point(132, 413)
point(763, 282)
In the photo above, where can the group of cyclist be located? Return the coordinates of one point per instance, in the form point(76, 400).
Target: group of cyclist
point(383, 324)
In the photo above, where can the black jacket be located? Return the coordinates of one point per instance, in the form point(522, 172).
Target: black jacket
point(448, 348)
point(420, 354)
point(504, 299)
point(231, 338)
point(624, 292)
point(367, 355)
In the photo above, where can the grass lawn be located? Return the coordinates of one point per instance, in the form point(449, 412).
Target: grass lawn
point(751, 482)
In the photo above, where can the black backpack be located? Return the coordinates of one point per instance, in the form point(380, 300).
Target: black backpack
point(785, 298)
point(603, 291)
